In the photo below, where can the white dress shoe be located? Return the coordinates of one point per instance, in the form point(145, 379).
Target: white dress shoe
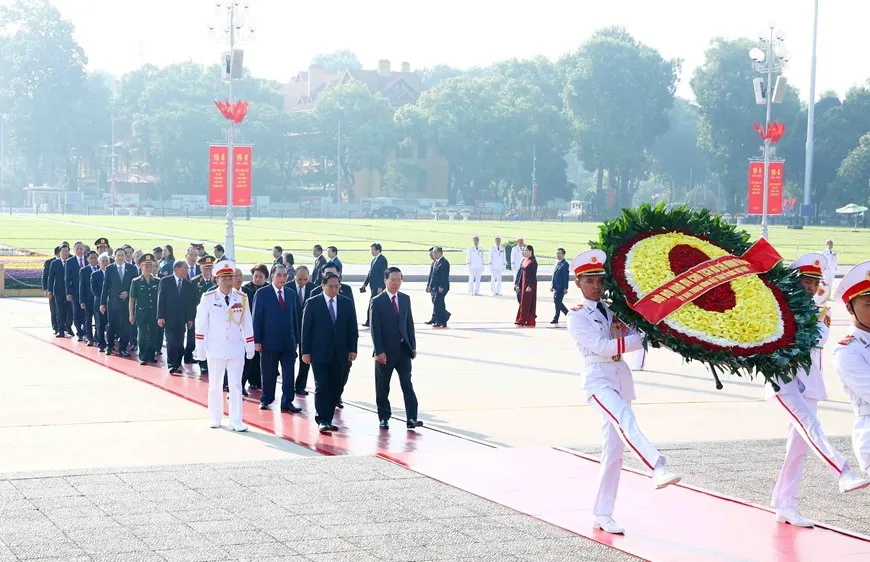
point(240, 428)
point(662, 477)
point(791, 516)
point(608, 525)
point(849, 482)
point(214, 425)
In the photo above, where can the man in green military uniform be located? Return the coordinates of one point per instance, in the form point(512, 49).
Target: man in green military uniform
point(204, 282)
point(143, 309)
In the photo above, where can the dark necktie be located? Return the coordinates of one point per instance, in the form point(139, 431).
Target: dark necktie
point(301, 292)
point(601, 309)
point(395, 305)
point(81, 262)
point(179, 286)
point(332, 310)
point(281, 299)
point(227, 299)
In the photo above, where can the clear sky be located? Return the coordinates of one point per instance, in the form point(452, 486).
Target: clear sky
point(120, 35)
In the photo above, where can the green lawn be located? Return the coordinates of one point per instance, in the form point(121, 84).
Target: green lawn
point(405, 241)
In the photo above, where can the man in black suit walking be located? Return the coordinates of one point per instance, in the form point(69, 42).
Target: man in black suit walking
point(302, 292)
point(46, 267)
point(395, 345)
point(276, 337)
point(57, 292)
point(86, 297)
point(319, 262)
point(176, 311)
point(113, 301)
point(74, 265)
point(375, 277)
point(101, 319)
point(440, 286)
point(329, 343)
point(559, 285)
point(345, 291)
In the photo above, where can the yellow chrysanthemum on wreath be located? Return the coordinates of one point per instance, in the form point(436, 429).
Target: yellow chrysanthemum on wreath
point(755, 319)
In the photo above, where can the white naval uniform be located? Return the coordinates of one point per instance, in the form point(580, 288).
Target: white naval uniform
point(497, 260)
point(517, 259)
point(608, 386)
point(474, 260)
point(224, 336)
point(799, 400)
point(830, 272)
point(852, 364)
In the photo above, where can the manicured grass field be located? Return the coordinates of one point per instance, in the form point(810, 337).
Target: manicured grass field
point(404, 241)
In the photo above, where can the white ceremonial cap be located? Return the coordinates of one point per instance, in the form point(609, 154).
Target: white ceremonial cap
point(855, 283)
point(811, 265)
point(226, 267)
point(590, 262)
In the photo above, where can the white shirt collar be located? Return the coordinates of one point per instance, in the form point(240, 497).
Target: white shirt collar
point(277, 290)
point(177, 279)
point(328, 298)
point(392, 295)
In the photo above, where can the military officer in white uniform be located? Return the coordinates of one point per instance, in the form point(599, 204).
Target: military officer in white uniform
point(799, 399)
point(474, 261)
point(852, 357)
point(497, 261)
point(829, 273)
point(609, 388)
point(224, 337)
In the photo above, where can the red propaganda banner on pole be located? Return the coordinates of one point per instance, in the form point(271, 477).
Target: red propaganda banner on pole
point(217, 175)
point(242, 176)
point(756, 188)
point(774, 189)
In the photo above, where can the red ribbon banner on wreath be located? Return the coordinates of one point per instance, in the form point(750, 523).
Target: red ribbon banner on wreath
point(656, 305)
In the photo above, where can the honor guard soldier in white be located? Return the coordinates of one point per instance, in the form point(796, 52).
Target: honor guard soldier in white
point(799, 399)
point(497, 261)
point(474, 260)
point(224, 337)
point(607, 382)
point(852, 357)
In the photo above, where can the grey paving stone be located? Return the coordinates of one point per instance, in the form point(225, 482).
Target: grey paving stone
point(344, 557)
point(258, 550)
point(106, 541)
point(208, 554)
point(320, 546)
point(153, 518)
point(233, 537)
point(195, 515)
point(127, 557)
point(49, 549)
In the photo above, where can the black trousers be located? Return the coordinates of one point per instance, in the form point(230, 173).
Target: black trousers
point(100, 322)
point(52, 309)
point(432, 297)
point(344, 380)
point(383, 373)
point(328, 378)
point(119, 325)
point(302, 377)
point(440, 312)
point(190, 343)
point(269, 361)
point(558, 297)
point(174, 346)
point(251, 372)
point(78, 317)
point(88, 323)
point(61, 312)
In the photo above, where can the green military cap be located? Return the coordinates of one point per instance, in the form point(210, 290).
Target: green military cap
point(146, 259)
point(101, 242)
point(206, 261)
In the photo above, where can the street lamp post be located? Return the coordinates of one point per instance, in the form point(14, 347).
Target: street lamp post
point(811, 115)
point(768, 58)
point(232, 20)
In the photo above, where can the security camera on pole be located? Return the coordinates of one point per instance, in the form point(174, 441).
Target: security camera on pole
point(768, 58)
point(232, 20)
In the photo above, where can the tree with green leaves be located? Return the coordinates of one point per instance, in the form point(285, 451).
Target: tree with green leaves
point(852, 184)
point(677, 158)
point(337, 61)
point(438, 73)
point(618, 92)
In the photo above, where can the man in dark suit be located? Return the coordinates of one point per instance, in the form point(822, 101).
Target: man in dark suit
point(57, 292)
point(74, 265)
point(113, 301)
point(319, 262)
point(86, 297)
point(302, 292)
point(100, 318)
point(395, 345)
point(46, 266)
point(176, 311)
point(429, 285)
point(375, 277)
point(559, 285)
point(332, 257)
point(278, 255)
point(275, 338)
point(440, 286)
point(345, 291)
point(219, 253)
point(329, 343)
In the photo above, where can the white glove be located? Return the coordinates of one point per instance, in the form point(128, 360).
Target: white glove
point(198, 355)
point(249, 355)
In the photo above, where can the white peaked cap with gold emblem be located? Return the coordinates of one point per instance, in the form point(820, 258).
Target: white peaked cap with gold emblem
point(590, 262)
point(855, 283)
point(811, 265)
point(225, 267)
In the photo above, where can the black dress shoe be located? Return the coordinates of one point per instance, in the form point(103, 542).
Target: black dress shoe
point(301, 393)
point(80, 338)
point(333, 427)
point(90, 344)
point(324, 428)
point(143, 362)
point(264, 406)
point(58, 335)
point(244, 392)
point(340, 405)
point(101, 349)
point(124, 353)
point(412, 423)
point(384, 424)
point(152, 360)
point(291, 408)
point(108, 351)
point(429, 322)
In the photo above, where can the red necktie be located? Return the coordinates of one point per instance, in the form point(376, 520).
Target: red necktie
point(81, 262)
point(281, 300)
point(395, 306)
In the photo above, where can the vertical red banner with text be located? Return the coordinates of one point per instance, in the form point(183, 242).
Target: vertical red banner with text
point(774, 188)
point(756, 188)
point(217, 175)
point(242, 160)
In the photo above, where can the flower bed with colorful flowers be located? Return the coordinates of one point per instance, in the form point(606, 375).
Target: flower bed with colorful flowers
point(756, 324)
point(22, 272)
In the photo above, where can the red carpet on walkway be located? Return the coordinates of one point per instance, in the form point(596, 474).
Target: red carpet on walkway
point(678, 523)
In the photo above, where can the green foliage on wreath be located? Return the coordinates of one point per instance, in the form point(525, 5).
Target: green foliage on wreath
point(783, 363)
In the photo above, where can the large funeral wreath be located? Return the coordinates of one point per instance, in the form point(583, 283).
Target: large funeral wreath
point(756, 324)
